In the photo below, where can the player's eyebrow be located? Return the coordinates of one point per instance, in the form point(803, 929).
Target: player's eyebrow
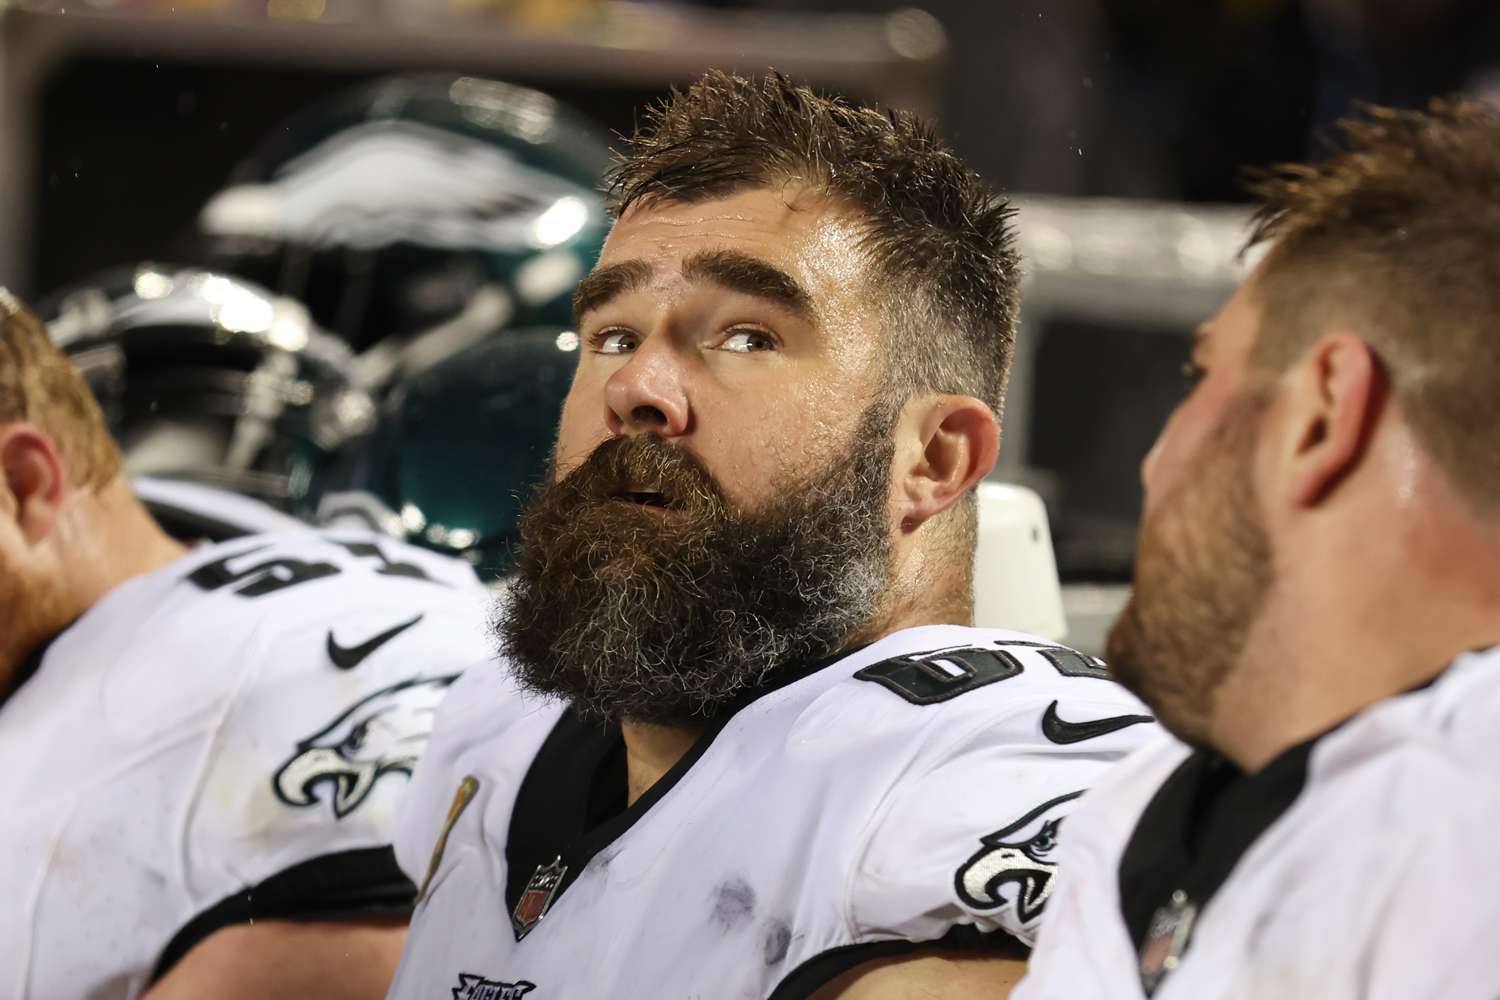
point(729, 269)
point(603, 284)
point(740, 272)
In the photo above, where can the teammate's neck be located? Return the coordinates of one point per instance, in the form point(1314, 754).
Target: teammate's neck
point(651, 751)
point(101, 539)
point(1318, 656)
point(127, 543)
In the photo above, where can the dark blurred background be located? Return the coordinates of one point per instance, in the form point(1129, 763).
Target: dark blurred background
point(1121, 127)
point(1162, 99)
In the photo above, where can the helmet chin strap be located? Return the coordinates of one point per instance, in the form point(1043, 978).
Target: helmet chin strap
point(489, 309)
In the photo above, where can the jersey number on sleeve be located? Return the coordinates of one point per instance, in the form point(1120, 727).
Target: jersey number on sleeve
point(278, 574)
point(931, 678)
point(262, 578)
point(935, 677)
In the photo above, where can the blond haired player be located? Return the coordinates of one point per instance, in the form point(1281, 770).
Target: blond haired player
point(201, 751)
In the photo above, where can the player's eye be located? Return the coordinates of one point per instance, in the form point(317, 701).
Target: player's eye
point(748, 340)
point(614, 341)
point(1193, 372)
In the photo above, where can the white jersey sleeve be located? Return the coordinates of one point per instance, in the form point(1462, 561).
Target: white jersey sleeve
point(973, 841)
point(316, 747)
point(224, 740)
point(1412, 954)
point(313, 757)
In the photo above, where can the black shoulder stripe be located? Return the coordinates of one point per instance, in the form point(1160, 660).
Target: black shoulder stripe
point(818, 971)
point(1071, 663)
point(349, 885)
point(187, 525)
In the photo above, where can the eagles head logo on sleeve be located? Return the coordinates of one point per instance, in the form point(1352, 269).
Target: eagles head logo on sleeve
point(1016, 864)
point(379, 734)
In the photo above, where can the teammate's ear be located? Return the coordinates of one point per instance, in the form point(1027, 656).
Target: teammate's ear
point(1335, 392)
point(945, 446)
point(35, 479)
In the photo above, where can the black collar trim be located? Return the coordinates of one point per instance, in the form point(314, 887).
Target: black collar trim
point(1203, 820)
point(1198, 827)
point(579, 773)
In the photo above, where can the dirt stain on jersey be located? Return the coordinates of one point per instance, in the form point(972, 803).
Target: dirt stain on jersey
point(734, 903)
point(778, 941)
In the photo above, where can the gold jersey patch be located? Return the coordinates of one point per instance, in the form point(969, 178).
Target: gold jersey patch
point(467, 789)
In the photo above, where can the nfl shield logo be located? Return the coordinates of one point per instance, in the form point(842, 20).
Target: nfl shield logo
point(1167, 937)
point(537, 898)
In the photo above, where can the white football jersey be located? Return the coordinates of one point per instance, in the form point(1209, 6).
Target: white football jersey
point(224, 739)
point(1358, 866)
point(907, 793)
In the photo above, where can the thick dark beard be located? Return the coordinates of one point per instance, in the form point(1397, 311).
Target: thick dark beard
point(633, 614)
point(1202, 572)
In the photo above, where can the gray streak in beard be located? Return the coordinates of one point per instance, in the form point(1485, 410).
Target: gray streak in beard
point(636, 615)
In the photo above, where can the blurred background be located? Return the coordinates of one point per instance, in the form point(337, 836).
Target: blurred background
point(318, 252)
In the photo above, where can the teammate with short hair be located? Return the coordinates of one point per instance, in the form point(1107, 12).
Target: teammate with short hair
point(1316, 606)
point(203, 749)
point(741, 741)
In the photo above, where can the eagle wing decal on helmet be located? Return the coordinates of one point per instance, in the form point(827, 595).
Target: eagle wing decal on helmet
point(381, 733)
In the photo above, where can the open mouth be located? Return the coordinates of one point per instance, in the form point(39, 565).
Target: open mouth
point(645, 498)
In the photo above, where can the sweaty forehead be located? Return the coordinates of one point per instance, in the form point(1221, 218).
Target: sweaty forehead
point(812, 238)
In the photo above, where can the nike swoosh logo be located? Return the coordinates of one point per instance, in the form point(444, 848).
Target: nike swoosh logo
point(1063, 732)
point(349, 657)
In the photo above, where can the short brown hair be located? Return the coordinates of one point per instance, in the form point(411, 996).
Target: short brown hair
point(1397, 234)
point(38, 384)
point(940, 244)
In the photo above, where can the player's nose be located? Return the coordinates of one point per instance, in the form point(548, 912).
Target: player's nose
point(646, 395)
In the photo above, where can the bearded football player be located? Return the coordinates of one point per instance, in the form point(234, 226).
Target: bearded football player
point(204, 748)
point(740, 740)
point(1316, 606)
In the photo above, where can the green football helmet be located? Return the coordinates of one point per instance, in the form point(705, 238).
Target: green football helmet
point(418, 214)
point(214, 380)
point(459, 447)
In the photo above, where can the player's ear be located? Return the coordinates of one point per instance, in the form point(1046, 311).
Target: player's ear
point(945, 445)
point(1333, 394)
point(35, 482)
